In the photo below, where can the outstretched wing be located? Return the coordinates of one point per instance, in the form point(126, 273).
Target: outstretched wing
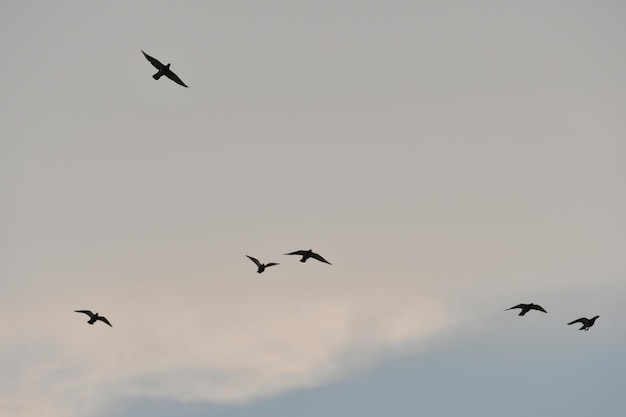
point(87, 312)
point(319, 258)
point(255, 260)
point(104, 319)
point(174, 77)
point(517, 306)
point(538, 307)
point(271, 264)
point(155, 62)
point(580, 320)
point(298, 252)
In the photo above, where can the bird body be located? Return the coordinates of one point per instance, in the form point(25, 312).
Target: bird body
point(587, 323)
point(306, 254)
point(525, 308)
point(93, 317)
point(163, 70)
point(261, 267)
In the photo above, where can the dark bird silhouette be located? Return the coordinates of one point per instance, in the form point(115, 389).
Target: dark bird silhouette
point(163, 70)
point(587, 323)
point(260, 265)
point(525, 308)
point(306, 254)
point(93, 317)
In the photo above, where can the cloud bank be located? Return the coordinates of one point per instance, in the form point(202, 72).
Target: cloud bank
point(188, 346)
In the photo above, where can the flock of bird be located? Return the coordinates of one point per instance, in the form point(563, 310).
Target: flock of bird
point(525, 308)
point(305, 254)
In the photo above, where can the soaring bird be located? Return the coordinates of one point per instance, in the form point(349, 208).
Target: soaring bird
point(587, 323)
point(260, 265)
point(163, 70)
point(306, 254)
point(93, 317)
point(525, 308)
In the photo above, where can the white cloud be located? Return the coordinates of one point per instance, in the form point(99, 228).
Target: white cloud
point(234, 348)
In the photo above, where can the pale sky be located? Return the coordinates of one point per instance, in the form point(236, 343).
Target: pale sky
point(450, 159)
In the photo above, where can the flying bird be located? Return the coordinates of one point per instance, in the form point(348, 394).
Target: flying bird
point(260, 265)
point(587, 323)
point(525, 308)
point(306, 254)
point(163, 70)
point(93, 317)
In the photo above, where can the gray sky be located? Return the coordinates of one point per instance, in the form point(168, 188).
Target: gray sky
point(451, 159)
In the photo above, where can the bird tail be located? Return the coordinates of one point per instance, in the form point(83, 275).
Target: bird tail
point(157, 75)
point(572, 322)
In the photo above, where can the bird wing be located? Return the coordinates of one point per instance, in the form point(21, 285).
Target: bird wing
point(580, 320)
point(319, 258)
point(88, 312)
point(104, 319)
point(170, 74)
point(538, 307)
point(298, 252)
point(155, 62)
point(255, 260)
point(271, 264)
point(517, 306)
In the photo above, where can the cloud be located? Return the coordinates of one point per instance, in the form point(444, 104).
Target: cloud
point(228, 348)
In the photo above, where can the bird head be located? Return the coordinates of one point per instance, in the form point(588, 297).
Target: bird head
point(596, 317)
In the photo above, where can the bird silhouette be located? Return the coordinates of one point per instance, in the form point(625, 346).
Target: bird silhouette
point(261, 267)
point(306, 254)
point(525, 308)
point(93, 317)
point(163, 70)
point(587, 323)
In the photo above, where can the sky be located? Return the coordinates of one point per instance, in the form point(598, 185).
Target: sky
point(450, 159)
